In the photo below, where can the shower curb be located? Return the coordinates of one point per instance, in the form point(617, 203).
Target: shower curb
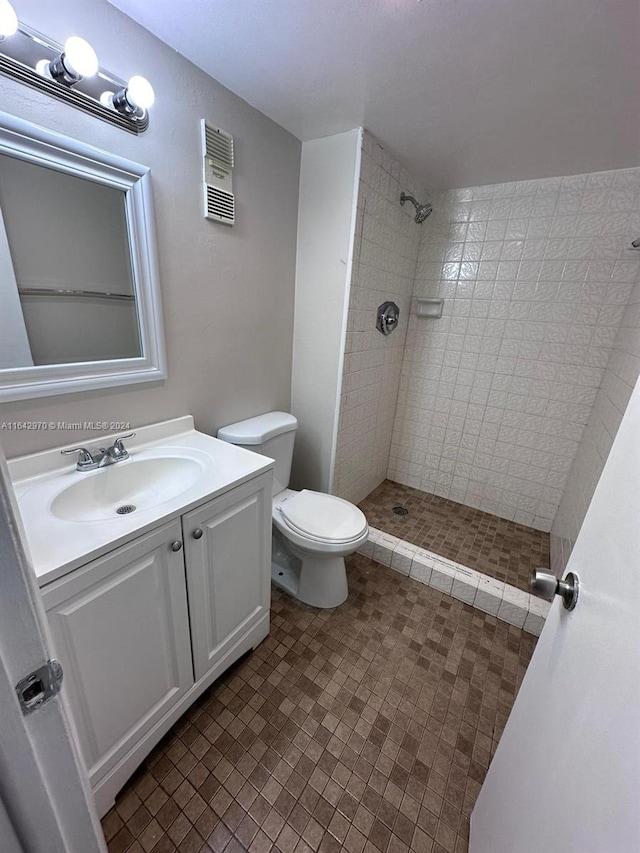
point(492, 596)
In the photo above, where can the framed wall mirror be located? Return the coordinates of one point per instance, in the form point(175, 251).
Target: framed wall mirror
point(79, 292)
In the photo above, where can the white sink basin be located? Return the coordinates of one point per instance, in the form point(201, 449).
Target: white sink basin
point(126, 487)
point(71, 517)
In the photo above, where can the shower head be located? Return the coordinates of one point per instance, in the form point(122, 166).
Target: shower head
point(422, 210)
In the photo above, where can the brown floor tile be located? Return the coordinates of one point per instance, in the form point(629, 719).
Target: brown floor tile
point(365, 729)
point(494, 546)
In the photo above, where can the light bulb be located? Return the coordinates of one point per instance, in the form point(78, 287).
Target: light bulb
point(140, 92)
point(134, 101)
point(8, 19)
point(42, 67)
point(79, 57)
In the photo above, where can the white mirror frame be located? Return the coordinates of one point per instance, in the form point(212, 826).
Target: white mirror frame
point(35, 144)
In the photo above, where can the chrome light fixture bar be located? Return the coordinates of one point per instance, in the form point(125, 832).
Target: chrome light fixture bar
point(71, 73)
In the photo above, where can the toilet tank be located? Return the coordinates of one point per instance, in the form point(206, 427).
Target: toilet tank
point(272, 434)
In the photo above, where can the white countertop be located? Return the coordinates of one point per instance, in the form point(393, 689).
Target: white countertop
point(57, 546)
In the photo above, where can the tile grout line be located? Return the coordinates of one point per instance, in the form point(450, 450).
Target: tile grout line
point(478, 590)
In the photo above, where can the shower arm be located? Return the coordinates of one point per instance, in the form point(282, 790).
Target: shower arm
point(405, 197)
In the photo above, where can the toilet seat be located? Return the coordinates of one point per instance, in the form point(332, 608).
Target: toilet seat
point(322, 518)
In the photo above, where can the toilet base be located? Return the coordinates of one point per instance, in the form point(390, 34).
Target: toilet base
point(323, 581)
point(285, 578)
point(285, 568)
point(320, 581)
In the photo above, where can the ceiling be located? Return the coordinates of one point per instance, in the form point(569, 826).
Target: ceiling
point(463, 92)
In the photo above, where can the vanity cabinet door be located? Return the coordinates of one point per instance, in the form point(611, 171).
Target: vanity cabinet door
point(228, 560)
point(120, 628)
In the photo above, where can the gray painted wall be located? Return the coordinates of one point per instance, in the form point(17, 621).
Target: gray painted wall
point(227, 292)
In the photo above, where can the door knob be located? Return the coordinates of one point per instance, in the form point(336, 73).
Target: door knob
point(175, 546)
point(549, 585)
point(197, 533)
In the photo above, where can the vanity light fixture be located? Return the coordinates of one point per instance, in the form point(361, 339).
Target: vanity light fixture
point(72, 74)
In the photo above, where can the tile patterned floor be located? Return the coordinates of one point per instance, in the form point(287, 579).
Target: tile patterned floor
point(494, 546)
point(366, 729)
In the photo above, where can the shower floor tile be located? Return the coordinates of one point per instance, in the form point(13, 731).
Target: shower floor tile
point(494, 546)
point(365, 728)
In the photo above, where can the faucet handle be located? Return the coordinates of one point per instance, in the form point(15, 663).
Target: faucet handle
point(85, 460)
point(118, 442)
point(119, 451)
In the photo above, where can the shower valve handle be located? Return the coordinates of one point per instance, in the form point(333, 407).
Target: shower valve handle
point(387, 317)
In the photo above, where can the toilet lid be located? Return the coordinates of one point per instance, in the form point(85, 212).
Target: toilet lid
point(323, 517)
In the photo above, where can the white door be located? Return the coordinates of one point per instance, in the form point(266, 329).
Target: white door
point(566, 775)
point(46, 803)
point(228, 558)
point(9, 842)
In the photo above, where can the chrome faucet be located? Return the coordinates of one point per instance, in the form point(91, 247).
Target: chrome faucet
point(108, 455)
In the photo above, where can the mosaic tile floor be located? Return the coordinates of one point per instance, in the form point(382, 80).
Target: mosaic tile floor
point(367, 729)
point(494, 546)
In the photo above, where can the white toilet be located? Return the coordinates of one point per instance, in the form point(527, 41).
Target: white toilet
point(312, 532)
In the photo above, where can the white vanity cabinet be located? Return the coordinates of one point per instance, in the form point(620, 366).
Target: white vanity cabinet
point(227, 546)
point(120, 628)
point(143, 630)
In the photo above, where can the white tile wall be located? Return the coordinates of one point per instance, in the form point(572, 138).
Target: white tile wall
point(617, 384)
point(495, 396)
point(385, 254)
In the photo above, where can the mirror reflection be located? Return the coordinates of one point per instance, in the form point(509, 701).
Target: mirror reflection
point(66, 282)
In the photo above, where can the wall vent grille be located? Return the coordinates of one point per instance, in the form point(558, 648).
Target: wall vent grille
point(219, 147)
point(220, 205)
point(218, 161)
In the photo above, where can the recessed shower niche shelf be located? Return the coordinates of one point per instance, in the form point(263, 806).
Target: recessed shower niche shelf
point(431, 307)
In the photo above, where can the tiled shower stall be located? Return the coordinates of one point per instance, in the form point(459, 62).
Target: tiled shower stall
point(385, 251)
point(510, 402)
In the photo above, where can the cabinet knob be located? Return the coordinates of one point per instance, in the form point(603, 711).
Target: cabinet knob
point(175, 546)
point(197, 533)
